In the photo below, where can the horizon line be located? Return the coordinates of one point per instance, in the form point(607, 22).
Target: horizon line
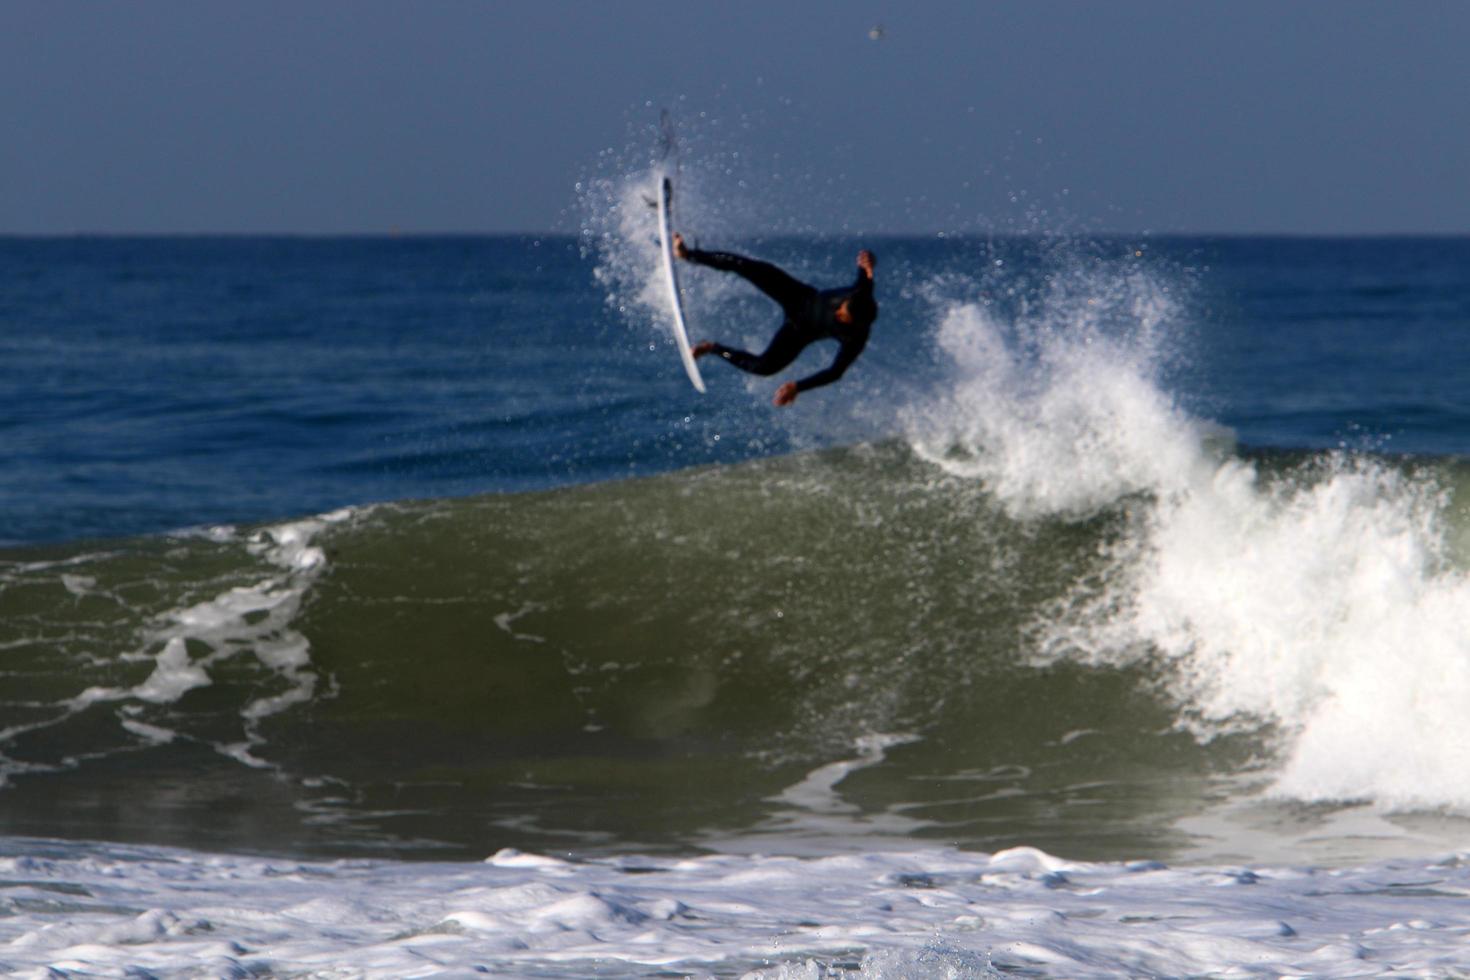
point(391, 234)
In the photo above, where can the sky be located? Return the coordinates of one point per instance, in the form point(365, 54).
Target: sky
point(365, 116)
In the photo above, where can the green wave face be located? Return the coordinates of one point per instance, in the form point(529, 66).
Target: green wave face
point(798, 653)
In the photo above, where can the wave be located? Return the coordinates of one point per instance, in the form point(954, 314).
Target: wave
point(404, 674)
point(1319, 598)
point(1054, 607)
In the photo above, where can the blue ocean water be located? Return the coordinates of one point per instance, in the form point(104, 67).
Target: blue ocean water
point(152, 384)
point(1107, 618)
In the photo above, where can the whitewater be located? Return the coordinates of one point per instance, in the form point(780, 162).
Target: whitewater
point(1324, 599)
point(74, 910)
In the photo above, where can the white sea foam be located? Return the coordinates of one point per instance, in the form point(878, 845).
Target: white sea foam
point(115, 911)
point(814, 813)
point(1322, 605)
point(187, 644)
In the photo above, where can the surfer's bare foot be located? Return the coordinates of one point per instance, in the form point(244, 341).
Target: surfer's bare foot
point(681, 251)
point(785, 395)
point(866, 261)
point(703, 347)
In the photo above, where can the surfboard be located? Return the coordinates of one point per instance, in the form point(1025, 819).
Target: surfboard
point(671, 278)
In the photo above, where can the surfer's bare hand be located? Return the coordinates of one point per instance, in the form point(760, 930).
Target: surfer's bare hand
point(702, 348)
point(681, 251)
point(785, 395)
point(866, 261)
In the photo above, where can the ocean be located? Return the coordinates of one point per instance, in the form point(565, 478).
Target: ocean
point(395, 607)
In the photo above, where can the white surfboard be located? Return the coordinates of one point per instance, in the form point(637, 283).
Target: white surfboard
point(671, 277)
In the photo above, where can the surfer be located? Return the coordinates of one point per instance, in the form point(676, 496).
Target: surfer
point(843, 315)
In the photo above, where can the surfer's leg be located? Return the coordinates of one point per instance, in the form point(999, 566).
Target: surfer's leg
point(782, 350)
point(786, 290)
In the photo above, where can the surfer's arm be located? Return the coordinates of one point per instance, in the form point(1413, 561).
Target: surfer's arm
point(787, 393)
point(845, 356)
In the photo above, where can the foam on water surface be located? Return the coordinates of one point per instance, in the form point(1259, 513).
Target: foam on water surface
point(187, 643)
point(105, 911)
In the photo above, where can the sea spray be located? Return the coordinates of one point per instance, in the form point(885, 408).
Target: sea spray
point(1318, 604)
point(1066, 428)
point(619, 225)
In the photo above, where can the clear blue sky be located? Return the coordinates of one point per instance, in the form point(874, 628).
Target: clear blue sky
point(1314, 116)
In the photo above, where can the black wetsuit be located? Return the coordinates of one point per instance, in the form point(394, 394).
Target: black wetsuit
point(810, 316)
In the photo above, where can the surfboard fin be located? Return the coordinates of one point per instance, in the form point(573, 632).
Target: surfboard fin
point(668, 140)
